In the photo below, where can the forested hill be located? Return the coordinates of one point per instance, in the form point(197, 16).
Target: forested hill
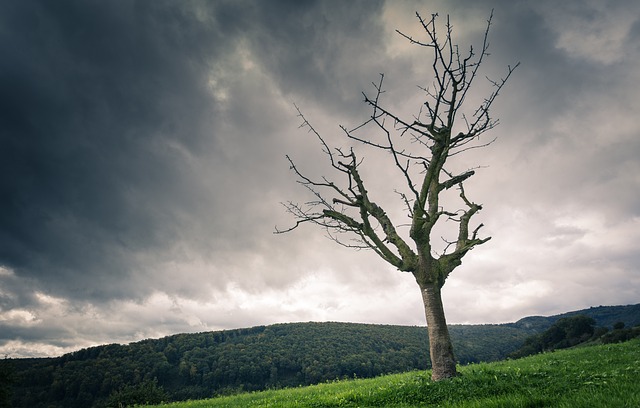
point(605, 316)
point(191, 366)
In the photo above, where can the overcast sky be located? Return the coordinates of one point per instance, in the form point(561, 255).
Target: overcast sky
point(142, 164)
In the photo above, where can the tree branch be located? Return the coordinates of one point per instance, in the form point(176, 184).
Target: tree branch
point(346, 208)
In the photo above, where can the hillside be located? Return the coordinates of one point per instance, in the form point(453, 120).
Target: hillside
point(596, 376)
point(192, 366)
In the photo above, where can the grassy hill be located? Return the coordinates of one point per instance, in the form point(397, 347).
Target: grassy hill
point(593, 376)
point(199, 365)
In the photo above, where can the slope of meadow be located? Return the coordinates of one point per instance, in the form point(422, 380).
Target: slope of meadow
point(593, 376)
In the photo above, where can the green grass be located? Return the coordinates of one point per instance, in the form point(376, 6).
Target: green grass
point(594, 376)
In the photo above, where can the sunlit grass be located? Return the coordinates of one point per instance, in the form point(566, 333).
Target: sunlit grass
point(596, 376)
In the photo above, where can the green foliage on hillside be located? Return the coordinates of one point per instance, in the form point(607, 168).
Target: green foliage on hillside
point(605, 316)
point(586, 377)
point(145, 393)
point(7, 379)
point(564, 333)
point(620, 333)
point(571, 331)
point(201, 365)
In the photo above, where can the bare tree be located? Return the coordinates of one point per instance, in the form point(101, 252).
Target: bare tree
point(419, 147)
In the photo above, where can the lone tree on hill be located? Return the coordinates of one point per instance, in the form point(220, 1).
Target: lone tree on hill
point(418, 147)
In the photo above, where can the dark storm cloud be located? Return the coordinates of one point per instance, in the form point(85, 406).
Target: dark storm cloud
point(547, 82)
point(108, 115)
point(313, 49)
point(98, 99)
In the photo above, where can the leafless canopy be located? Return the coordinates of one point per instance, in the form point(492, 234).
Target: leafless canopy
point(345, 207)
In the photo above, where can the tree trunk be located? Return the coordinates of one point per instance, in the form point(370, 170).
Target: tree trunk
point(443, 362)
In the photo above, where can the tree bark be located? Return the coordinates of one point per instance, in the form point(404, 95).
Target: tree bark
point(443, 362)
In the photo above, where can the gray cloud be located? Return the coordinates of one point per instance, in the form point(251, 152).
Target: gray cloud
point(142, 164)
point(101, 100)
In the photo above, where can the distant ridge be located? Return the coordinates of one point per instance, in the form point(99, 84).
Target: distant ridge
point(605, 316)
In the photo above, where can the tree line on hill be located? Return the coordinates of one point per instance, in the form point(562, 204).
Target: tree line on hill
point(200, 365)
point(572, 331)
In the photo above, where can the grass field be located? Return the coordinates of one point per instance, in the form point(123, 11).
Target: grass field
point(593, 376)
